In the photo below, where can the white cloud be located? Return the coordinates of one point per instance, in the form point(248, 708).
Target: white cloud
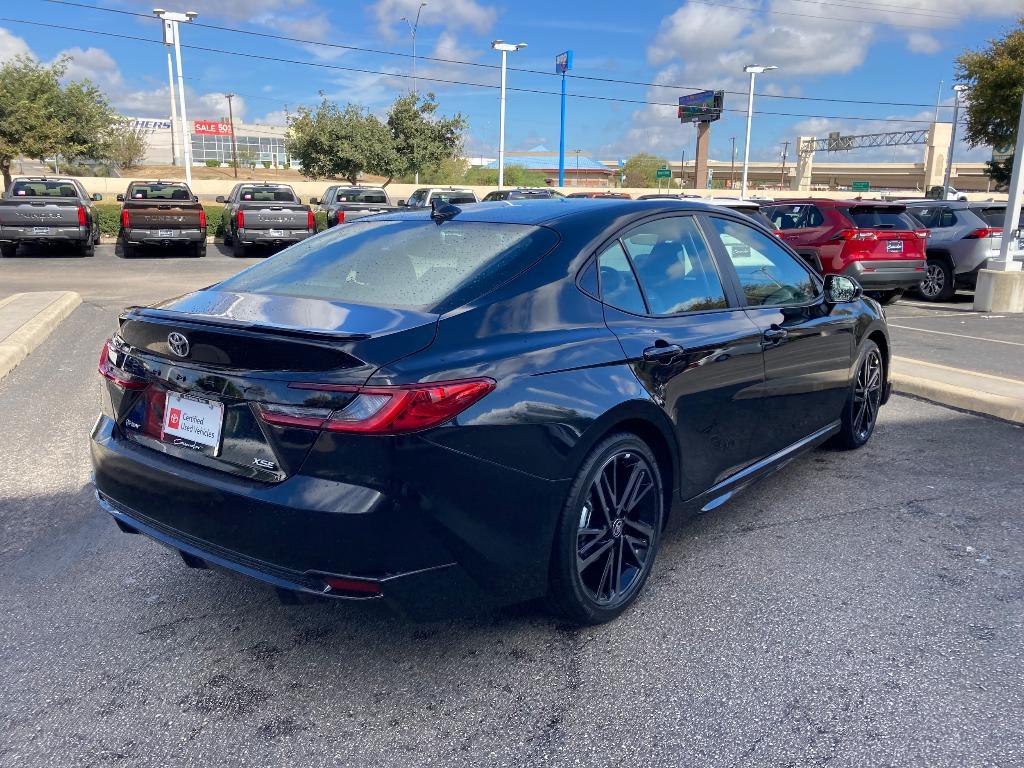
point(11, 46)
point(922, 42)
point(450, 14)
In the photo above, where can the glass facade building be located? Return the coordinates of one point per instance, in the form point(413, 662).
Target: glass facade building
point(260, 149)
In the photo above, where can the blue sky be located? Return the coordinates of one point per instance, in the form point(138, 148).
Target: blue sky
point(860, 50)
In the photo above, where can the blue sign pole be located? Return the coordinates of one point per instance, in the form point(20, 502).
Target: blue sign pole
point(563, 63)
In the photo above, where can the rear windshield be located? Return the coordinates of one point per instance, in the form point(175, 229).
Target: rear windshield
point(995, 217)
point(455, 198)
point(267, 195)
point(55, 188)
point(158, 192)
point(362, 196)
point(881, 218)
point(407, 264)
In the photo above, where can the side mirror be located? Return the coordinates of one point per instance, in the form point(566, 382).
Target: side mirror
point(96, 198)
point(120, 198)
point(402, 204)
point(219, 199)
point(195, 198)
point(840, 289)
point(314, 201)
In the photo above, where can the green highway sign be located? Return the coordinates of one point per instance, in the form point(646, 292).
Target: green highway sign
point(663, 173)
point(861, 186)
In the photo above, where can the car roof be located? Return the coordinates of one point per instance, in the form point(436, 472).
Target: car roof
point(552, 210)
point(839, 203)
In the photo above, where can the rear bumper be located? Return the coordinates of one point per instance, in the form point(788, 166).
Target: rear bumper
point(153, 236)
point(430, 546)
point(263, 237)
point(53, 235)
point(887, 275)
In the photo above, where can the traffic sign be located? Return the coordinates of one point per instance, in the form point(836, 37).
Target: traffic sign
point(861, 186)
point(663, 173)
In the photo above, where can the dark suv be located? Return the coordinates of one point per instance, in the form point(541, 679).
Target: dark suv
point(877, 243)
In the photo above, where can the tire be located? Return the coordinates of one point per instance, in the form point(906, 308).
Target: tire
point(860, 413)
point(228, 240)
point(127, 250)
point(939, 283)
point(87, 249)
point(592, 547)
point(238, 249)
point(8, 251)
point(886, 298)
point(198, 250)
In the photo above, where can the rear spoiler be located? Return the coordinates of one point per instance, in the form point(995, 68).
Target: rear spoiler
point(185, 318)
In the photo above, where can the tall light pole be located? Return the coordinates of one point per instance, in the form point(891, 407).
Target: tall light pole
point(958, 91)
point(732, 172)
point(505, 48)
point(234, 146)
point(174, 106)
point(753, 70)
point(1011, 223)
point(563, 63)
point(171, 19)
point(413, 29)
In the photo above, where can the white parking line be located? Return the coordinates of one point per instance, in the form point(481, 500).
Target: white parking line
point(941, 314)
point(958, 335)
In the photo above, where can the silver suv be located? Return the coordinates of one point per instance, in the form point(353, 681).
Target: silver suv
point(423, 196)
point(963, 236)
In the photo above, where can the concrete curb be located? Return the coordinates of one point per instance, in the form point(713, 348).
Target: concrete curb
point(1004, 407)
point(53, 308)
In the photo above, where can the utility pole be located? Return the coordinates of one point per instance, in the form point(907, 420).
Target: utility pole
point(682, 169)
point(732, 171)
point(577, 151)
point(234, 146)
point(785, 153)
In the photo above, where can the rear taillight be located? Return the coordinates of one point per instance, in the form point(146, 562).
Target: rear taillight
point(382, 410)
point(240, 220)
point(855, 234)
point(341, 217)
point(984, 232)
point(125, 220)
point(82, 222)
point(111, 360)
point(922, 233)
point(310, 220)
point(338, 585)
point(202, 218)
point(778, 233)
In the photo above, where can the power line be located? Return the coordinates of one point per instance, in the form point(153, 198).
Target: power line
point(338, 67)
point(883, 8)
point(809, 15)
point(482, 65)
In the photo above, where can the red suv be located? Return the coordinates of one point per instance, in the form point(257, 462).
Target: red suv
point(878, 244)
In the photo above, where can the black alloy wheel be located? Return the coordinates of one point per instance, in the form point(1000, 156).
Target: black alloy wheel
point(861, 412)
point(937, 284)
point(609, 532)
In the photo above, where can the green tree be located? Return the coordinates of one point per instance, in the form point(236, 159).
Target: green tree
point(39, 116)
point(515, 176)
point(421, 139)
point(641, 170)
point(995, 76)
point(334, 142)
point(127, 145)
point(450, 171)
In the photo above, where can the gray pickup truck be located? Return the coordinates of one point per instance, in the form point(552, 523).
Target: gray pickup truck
point(48, 211)
point(264, 214)
point(349, 203)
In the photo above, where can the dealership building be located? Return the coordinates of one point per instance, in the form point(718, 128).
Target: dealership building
point(211, 140)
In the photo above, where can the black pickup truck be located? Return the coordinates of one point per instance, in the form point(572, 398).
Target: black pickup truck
point(48, 211)
point(264, 214)
point(161, 213)
point(349, 203)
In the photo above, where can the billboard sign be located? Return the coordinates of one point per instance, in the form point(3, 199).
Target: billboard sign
point(144, 124)
point(563, 63)
point(703, 107)
point(212, 128)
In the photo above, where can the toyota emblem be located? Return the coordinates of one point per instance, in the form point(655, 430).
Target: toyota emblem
point(178, 344)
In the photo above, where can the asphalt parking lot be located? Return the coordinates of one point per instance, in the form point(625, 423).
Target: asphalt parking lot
point(855, 609)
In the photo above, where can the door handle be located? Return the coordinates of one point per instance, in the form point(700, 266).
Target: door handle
point(775, 334)
point(662, 352)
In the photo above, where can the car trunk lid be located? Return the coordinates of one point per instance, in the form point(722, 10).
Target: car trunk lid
point(169, 215)
point(263, 216)
point(884, 232)
point(49, 212)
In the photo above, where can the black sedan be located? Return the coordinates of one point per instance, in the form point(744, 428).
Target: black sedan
point(489, 405)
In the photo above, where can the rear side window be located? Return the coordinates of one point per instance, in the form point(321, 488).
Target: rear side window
point(43, 189)
point(768, 275)
point(362, 196)
point(675, 266)
point(786, 216)
point(158, 192)
point(881, 218)
point(455, 198)
point(408, 264)
point(267, 195)
point(995, 217)
point(757, 215)
point(619, 287)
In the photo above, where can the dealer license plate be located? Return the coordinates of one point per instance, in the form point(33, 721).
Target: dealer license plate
point(894, 246)
point(193, 422)
point(165, 233)
point(277, 233)
point(40, 230)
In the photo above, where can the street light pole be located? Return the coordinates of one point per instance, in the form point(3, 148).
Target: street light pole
point(174, 107)
point(413, 29)
point(577, 151)
point(505, 48)
point(171, 19)
point(234, 146)
point(753, 70)
point(958, 90)
point(732, 172)
point(1011, 223)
